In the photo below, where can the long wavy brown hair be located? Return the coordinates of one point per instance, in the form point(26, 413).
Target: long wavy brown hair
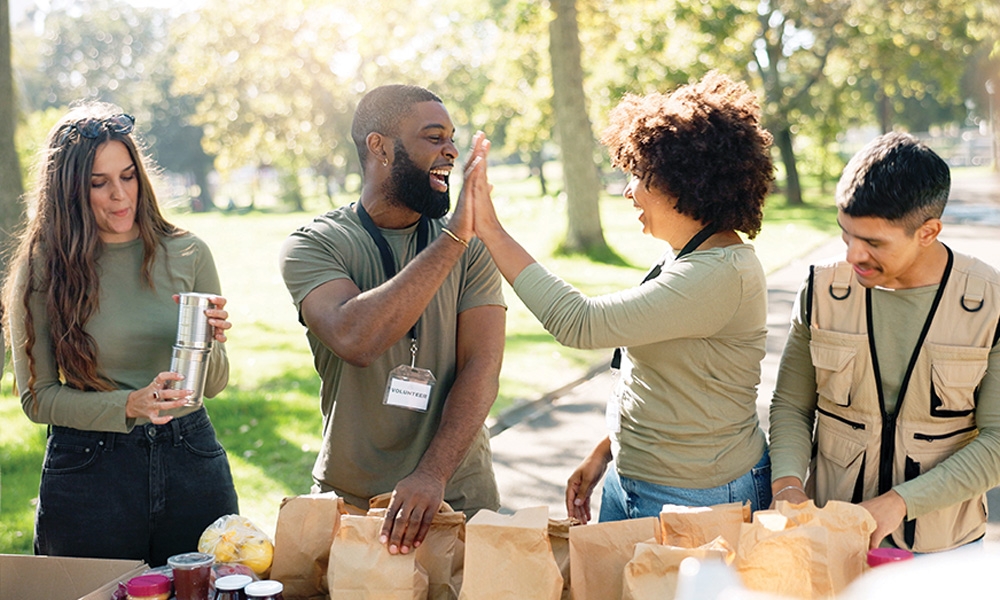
point(58, 252)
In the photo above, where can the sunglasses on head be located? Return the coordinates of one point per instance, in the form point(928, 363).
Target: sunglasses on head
point(120, 124)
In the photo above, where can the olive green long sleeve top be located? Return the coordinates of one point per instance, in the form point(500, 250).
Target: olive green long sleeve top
point(134, 329)
point(694, 339)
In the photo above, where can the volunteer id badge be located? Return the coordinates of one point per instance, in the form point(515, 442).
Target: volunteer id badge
point(409, 387)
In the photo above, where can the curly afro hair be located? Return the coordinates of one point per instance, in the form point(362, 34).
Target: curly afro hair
point(701, 144)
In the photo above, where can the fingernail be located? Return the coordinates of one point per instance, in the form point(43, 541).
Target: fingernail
point(404, 550)
point(383, 539)
point(393, 549)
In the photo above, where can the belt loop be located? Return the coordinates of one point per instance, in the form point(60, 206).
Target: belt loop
point(109, 441)
point(175, 427)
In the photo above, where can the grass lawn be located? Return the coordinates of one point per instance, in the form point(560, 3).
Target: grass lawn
point(268, 418)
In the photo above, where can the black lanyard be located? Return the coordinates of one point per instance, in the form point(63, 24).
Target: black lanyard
point(699, 238)
point(388, 262)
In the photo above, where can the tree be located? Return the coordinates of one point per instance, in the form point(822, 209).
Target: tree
point(11, 187)
point(574, 133)
point(108, 50)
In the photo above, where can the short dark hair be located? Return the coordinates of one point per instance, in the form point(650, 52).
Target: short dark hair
point(703, 145)
point(895, 177)
point(381, 109)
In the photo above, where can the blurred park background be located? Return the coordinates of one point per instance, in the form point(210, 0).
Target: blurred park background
point(246, 107)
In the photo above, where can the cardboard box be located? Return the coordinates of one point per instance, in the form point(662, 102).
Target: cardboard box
point(25, 577)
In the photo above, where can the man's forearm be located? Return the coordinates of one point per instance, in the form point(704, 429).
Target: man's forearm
point(360, 326)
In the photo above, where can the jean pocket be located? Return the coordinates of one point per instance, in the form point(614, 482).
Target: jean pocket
point(203, 445)
point(70, 457)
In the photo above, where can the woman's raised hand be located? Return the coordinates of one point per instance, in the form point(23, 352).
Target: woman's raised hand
point(474, 186)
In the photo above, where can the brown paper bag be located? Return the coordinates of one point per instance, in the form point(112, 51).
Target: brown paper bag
point(694, 526)
point(598, 554)
point(652, 572)
point(802, 551)
point(442, 553)
point(302, 538)
point(559, 540)
point(361, 567)
point(509, 556)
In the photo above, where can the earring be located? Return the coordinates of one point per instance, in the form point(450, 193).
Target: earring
point(385, 161)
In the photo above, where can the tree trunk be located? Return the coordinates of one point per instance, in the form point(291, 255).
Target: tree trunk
point(573, 130)
point(537, 166)
point(11, 187)
point(793, 190)
point(205, 192)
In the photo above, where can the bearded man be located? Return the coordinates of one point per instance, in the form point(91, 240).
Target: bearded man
point(405, 318)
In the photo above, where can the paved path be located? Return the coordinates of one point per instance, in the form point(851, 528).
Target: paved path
point(539, 447)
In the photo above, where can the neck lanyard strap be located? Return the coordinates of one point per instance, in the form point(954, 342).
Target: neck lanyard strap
point(388, 262)
point(699, 238)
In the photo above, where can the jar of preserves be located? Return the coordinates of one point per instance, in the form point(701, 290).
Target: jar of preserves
point(148, 587)
point(267, 589)
point(192, 575)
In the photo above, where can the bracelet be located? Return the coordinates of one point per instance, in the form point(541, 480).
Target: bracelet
point(786, 488)
point(455, 237)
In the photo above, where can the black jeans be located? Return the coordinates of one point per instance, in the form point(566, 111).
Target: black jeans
point(148, 494)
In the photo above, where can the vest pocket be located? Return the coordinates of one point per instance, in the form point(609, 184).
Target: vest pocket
point(953, 525)
point(834, 371)
point(840, 458)
point(955, 375)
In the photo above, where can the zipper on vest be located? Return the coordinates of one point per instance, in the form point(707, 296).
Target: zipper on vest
point(852, 424)
point(930, 438)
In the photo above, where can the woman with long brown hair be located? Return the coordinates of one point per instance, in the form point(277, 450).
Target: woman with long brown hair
point(92, 316)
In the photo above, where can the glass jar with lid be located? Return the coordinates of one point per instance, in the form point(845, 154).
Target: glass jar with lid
point(267, 589)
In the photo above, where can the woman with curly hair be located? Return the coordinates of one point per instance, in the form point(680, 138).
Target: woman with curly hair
point(682, 418)
point(92, 315)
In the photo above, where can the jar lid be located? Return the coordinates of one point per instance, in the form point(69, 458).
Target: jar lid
point(190, 560)
point(233, 582)
point(880, 556)
point(267, 587)
point(148, 585)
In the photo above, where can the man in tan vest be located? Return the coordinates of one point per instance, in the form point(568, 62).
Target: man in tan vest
point(893, 355)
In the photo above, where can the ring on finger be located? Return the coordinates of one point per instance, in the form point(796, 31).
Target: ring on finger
point(156, 394)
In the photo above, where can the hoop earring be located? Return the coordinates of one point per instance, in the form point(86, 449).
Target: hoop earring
point(385, 161)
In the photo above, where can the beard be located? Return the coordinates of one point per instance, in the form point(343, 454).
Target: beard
point(410, 186)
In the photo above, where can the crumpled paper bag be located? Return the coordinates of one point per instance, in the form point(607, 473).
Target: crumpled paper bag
point(509, 556)
point(695, 526)
point(803, 551)
point(442, 553)
point(303, 535)
point(599, 552)
point(559, 540)
point(361, 567)
point(652, 572)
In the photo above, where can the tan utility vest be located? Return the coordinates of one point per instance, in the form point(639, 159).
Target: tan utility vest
point(861, 452)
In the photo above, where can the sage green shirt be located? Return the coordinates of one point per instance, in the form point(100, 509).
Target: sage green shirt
point(134, 328)
point(368, 447)
point(897, 317)
point(695, 336)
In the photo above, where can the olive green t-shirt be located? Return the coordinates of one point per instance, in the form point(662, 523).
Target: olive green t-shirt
point(897, 317)
point(368, 447)
point(694, 338)
point(134, 329)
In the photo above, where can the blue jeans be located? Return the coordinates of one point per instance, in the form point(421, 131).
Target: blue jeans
point(148, 494)
point(625, 498)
